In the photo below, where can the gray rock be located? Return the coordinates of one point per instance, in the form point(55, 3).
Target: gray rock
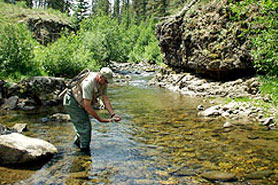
point(18, 149)
point(11, 103)
point(20, 127)
point(38, 90)
point(213, 111)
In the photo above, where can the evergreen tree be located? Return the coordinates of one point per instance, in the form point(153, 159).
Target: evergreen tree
point(57, 4)
point(158, 8)
point(81, 11)
point(139, 7)
point(125, 12)
point(102, 7)
point(29, 3)
point(116, 9)
point(93, 10)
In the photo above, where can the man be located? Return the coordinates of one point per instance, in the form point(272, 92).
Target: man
point(78, 103)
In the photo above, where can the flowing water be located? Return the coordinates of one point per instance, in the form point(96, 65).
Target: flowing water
point(160, 140)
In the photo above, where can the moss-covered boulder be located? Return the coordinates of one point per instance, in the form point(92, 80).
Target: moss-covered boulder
point(207, 41)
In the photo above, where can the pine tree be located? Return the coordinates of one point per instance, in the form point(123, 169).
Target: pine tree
point(81, 11)
point(139, 8)
point(158, 8)
point(102, 7)
point(57, 4)
point(116, 9)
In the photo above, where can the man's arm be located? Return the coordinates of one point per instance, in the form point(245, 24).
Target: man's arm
point(108, 106)
point(92, 112)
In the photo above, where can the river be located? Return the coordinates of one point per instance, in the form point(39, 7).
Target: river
point(160, 140)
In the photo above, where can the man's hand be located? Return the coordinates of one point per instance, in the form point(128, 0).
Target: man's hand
point(116, 118)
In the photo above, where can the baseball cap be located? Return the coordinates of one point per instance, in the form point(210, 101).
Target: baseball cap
point(107, 73)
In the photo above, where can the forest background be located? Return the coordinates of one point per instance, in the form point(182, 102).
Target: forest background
point(122, 31)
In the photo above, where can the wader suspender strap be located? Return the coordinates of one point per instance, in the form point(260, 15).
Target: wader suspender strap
point(78, 79)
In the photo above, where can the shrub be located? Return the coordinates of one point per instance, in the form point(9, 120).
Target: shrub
point(265, 50)
point(261, 18)
point(66, 57)
point(103, 37)
point(146, 47)
point(16, 50)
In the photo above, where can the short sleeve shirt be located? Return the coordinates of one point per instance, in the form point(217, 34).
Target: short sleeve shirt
point(91, 89)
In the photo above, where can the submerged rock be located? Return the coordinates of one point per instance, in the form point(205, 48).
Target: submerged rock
point(19, 149)
point(219, 176)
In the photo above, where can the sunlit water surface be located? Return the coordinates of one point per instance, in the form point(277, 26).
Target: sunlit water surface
point(160, 140)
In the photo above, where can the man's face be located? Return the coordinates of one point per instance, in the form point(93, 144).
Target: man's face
point(102, 80)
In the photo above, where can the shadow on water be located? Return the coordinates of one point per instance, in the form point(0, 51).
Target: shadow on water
point(160, 140)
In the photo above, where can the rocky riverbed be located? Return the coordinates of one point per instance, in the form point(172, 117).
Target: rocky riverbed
point(220, 96)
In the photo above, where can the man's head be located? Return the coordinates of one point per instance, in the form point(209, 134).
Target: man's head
point(107, 74)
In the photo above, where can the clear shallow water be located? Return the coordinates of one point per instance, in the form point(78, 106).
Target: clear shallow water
point(160, 140)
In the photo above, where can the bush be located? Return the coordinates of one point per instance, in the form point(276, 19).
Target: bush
point(16, 51)
point(104, 37)
point(270, 87)
point(146, 47)
point(261, 18)
point(66, 57)
point(265, 50)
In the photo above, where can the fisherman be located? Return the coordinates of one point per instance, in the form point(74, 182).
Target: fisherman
point(78, 103)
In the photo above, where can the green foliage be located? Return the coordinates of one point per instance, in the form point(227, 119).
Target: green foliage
point(109, 41)
point(81, 10)
point(146, 47)
point(100, 40)
point(21, 4)
point(101, 35)
point(16, 51)
point(265, 43)
point(65, 57)
point(262, 30)
point(270, 87)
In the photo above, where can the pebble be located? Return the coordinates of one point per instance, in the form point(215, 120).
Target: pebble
point(227, 125)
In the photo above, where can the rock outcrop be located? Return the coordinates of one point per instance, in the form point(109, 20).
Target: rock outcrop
point(19, 149)
point(206, 41)
point(47, 29)
point(32, 92)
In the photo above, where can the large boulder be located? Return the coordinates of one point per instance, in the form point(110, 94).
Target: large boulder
point(208, 42)
point(19, 149)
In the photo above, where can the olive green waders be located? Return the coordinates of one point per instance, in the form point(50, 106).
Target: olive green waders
point(80, 119)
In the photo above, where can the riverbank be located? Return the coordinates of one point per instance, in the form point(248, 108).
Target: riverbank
point(233, 100)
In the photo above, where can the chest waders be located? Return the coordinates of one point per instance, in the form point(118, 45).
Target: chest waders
point(79, 118)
